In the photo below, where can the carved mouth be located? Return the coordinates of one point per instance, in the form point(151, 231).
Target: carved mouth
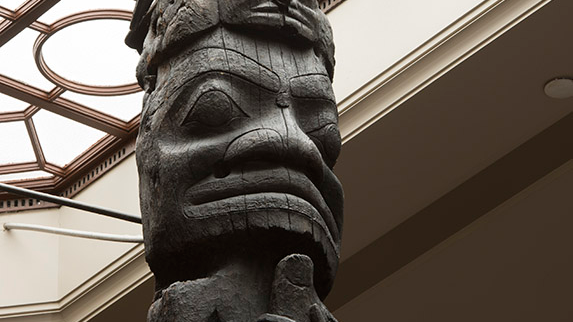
point(267, 7)
point(290, 14)
point(255, 181)
point(297, 16)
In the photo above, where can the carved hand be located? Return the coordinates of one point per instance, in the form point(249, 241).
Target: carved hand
point(293, 297)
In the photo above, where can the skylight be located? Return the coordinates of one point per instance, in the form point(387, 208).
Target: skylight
point(10, 104)
point(65, 89)
point(95, 55)
point(15, 146)
point(124, 107)
point(11, 4)
point(25, 175)
point(17, 60)
point(63, 139)
point(67, 7)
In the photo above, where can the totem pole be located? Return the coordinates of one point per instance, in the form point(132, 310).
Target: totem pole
point(242, 214)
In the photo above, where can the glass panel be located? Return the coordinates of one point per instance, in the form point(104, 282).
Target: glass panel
point(92, 52)
point(17, 60)
point(62, 139)
point(11, 4)
point(15, 145)
point(25, 175)
point(124, 107)
point(67, 7)
point(10, 104)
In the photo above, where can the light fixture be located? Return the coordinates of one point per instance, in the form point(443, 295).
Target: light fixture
point(559, 88)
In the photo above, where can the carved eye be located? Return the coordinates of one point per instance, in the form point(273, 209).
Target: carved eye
point(213, 109)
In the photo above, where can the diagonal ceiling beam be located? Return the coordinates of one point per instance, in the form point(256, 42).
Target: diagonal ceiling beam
point(18, 167)
point(455, 210)
point(63, 107)
point(6, 13)
point(54, 169)
point(12, 116)
point(10, 15)
point(35, 143)
point(24, 16)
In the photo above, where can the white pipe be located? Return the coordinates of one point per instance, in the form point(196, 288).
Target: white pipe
point(75, 233)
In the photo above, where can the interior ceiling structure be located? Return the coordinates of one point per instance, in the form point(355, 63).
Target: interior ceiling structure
point(68, 94)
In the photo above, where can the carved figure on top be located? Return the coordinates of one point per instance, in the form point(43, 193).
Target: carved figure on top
point(242, 212)
point(159, 27)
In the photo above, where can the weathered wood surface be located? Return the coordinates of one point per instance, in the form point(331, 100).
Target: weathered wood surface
point(239, 135)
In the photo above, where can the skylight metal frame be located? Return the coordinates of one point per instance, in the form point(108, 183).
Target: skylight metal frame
point(62, 82)
point(119, 133)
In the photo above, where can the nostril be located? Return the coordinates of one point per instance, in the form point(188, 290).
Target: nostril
point(282, 101)
point(220, 170)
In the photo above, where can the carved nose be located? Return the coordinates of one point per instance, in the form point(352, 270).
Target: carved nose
point(284, 145)
point(255, 145)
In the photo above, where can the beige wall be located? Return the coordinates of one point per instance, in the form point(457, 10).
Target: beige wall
point(372, 35)
point(38, 267)
point(82, 258)
point(29, 261)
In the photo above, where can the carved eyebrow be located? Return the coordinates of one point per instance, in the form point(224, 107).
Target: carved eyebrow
point(186, 97)
point(316, 86)
point(228, 61)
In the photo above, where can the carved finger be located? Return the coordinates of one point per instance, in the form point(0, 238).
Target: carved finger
point(293, 291)
point(273, 318)
point(317, 314)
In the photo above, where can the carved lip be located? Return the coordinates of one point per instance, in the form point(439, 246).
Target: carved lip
point(267, 6)
point(298, 16)
point(250, 180)
point(270, 9)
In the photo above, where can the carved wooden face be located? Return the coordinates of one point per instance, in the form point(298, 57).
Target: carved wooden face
point(240, 136)
point(301, 16)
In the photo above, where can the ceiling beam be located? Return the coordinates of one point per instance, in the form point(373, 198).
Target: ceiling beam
point(6, 13)
point(35, 140)
point(24, 16)
point(54, 169)
point(10, 15)
point(18, 167)
point(63, 107)
point(452, 212)
point(12, 116)
point(89, 160)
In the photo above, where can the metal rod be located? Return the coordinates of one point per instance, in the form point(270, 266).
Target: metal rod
point(75, 233)
point(70, 203)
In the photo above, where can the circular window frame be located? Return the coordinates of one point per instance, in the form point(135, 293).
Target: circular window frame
point(74, 86)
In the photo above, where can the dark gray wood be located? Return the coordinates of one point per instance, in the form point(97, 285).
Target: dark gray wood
point(242, 214)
